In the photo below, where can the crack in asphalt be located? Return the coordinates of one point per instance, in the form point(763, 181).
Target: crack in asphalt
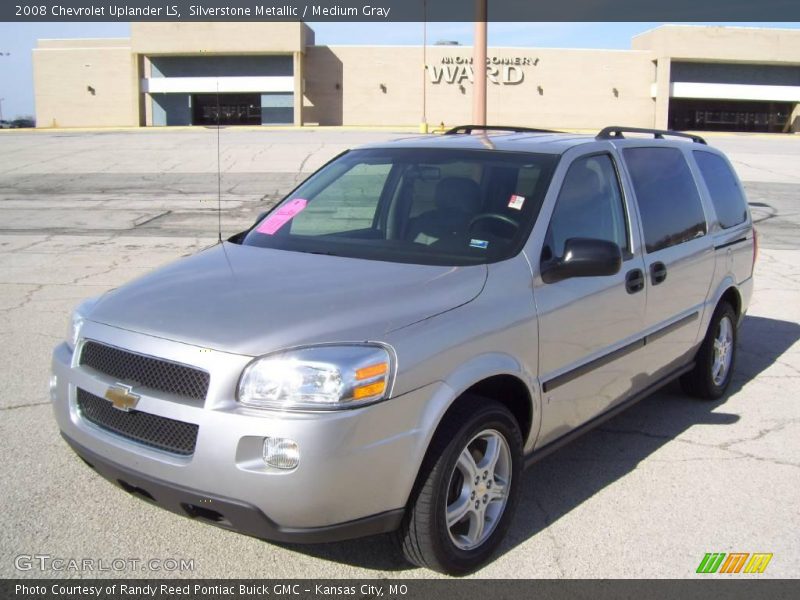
point(763, 169)
point(557, 550)
point(47, 238)
point(37, 287)
point(29, 405)
point(725, 446)
point(305, 160)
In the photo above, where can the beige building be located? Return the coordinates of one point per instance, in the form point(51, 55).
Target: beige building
point(681, 77)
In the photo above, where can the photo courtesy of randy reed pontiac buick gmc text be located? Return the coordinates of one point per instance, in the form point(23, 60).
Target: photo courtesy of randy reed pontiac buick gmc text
point(388, 347)
point(204, 590)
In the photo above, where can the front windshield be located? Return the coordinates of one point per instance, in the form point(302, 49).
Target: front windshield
point(424, 206)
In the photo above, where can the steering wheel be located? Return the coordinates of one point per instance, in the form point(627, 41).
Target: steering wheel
point(495, 216)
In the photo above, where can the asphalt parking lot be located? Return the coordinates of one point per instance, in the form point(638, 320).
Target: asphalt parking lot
point(646, 495)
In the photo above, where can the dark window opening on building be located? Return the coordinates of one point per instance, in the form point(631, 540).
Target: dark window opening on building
point(230, 109)
point(729, 115)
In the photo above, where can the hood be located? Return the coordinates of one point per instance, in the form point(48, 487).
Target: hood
point(249, 300)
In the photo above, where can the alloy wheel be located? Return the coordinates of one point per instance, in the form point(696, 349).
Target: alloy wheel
point(478, 490)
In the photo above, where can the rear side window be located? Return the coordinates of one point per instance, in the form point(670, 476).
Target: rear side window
point(726, 195)
point(667, 196)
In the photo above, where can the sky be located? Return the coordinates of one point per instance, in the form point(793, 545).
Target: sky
point(17, 40)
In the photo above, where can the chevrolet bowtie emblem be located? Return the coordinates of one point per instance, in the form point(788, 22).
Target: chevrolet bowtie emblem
point(121, 397)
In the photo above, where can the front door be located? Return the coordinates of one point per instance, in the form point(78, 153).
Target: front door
point(588, 326)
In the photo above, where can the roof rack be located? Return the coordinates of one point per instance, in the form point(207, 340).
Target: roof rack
point(470, 128)
point(615, 132)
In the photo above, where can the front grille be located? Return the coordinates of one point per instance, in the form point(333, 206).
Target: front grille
point(140, 370)
point(148, 429)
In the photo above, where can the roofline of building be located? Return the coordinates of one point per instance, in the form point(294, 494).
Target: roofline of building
point(468, 47)
point(79, 39)
point(699, 26)
point(433, 46)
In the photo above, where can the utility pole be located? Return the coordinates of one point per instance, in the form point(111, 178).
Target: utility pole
point(479, 64)
point(1, 99)
point(423, 126)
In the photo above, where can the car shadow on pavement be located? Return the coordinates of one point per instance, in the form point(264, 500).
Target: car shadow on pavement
point(565, 479)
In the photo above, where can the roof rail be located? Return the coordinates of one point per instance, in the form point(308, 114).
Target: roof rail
point(615, 132)
point(470, 128)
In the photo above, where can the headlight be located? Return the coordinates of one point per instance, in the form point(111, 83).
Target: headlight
point(74, 332)
point(318, 378)
point(76, 321)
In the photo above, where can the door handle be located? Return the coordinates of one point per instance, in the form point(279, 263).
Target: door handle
point(658, 272)
point(634, 281)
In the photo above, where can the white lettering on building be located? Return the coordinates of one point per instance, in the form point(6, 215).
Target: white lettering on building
point(500, 70)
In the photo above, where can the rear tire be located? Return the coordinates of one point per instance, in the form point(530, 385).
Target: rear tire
point(456, 521)
point(716, 357)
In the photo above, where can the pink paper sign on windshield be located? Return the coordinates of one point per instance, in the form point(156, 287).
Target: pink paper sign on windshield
point(281, 216)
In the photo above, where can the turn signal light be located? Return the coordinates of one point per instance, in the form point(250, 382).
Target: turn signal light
point(372, 371)
point(372, 389)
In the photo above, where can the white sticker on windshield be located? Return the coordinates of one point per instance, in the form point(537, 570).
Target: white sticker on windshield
point(516, 202)
point(479, 243)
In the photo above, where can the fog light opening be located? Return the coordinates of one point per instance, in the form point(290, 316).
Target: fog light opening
point(281, 453)
point(136, 491)
point(206, 514)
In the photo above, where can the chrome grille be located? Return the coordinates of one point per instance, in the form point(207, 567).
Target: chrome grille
point(148, 429)
point(145, 371)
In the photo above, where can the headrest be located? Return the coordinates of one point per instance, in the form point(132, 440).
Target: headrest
point(581, 185)
point(458, 193)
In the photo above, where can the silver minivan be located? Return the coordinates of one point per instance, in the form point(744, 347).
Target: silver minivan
point(390, 346)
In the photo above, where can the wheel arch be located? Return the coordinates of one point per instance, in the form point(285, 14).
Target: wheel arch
point(725, 291)
point(498, 377)
point(732, 296)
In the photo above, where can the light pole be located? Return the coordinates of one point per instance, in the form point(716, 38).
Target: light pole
point(1, 99)
point(479, 64)
point(423, 126)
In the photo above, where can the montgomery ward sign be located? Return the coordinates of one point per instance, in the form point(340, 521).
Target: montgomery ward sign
point(499, 70)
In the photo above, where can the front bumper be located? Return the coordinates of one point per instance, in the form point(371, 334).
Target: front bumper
point(226, 512)
point(356, 471)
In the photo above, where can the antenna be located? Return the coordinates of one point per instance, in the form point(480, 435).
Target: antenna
point(219, 175)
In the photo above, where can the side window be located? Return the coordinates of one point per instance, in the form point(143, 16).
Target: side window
point(726, 195)
point(589, 205)
point(348, 204)
point(667, 196)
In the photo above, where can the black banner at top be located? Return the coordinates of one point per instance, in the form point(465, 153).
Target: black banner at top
point(399, 10)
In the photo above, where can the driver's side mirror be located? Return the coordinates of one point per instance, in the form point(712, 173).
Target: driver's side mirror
point(583, 257)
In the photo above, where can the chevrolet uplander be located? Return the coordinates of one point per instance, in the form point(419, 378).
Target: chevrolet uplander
point(389, 346)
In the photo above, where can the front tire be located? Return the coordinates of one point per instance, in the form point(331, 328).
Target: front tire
point(467, 491)
point(716, 357)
